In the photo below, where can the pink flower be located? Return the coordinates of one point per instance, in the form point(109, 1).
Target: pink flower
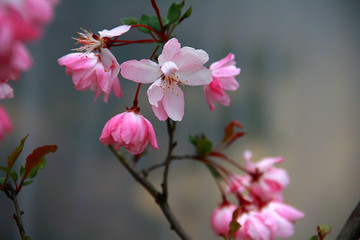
point(131, 130)
point(281, 218)
point(5, 90)
point(223, 73)
point(98, 70)
point(267, 182)
point(177, 66)
point(5, 123)
point(254, 226)
point(221, 218)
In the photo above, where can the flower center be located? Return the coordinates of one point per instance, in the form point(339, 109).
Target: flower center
point(90, 41)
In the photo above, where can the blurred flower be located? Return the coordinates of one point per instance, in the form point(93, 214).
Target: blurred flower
point(177, 66)
point(6, 91)
point(98, 72)
point(20, 21)
point(223, 73)
point(131, 130)
point(221, 218)
point(267, 182)
point(5, 123)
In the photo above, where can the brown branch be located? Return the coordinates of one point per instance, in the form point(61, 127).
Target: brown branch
point(12, 194)
point(351, 229)
point(158, 197)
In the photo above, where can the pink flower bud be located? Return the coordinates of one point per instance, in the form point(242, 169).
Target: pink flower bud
point(221, 218)
point(131, 130)
point(5, 123)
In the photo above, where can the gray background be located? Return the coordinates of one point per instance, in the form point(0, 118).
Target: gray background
point(298, 98)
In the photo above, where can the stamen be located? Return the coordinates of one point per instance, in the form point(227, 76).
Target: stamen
point(90, 41)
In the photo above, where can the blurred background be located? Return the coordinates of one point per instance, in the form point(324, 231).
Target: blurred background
point(298, 98)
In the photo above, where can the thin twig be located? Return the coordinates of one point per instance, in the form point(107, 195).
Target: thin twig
point(158, 197)
point(12, 194)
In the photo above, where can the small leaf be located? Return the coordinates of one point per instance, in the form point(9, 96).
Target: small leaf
point(36, 157)
point(234, 225)
point(186, 14)
point(22, 171)
point(314, 237)
point(230, 130)
point(202, 144)
point(214, 172)
point(42, 164)
point(144, 19)
point(28, 182)
point(129, 21)
point(175, 11)
point(2, 181)
point(323, 231)
point(14, 176)
point(15, 154)
point(155, 24)
point(32, 173)
point(7, 171)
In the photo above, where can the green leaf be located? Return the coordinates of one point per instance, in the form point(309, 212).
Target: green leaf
point(323, 231)
point(7, 171)
point(28, 182)
point(32, 173)
point(155, 24)
point(15, 154)
point(144, 19)
point(2, 181)
point(202, 144)
point(234, 225)
point(42, 164)
point(214, 172)
point(22, 171)
point(175, 11)
point(314, 237)
point(129, 20)
point(14, 176)
point(186, 14)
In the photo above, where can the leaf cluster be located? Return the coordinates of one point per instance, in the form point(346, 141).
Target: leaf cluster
point(34, 162)
point(323, 231)
point(174, 18)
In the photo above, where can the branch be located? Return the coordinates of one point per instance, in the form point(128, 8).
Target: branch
point(12, 194)
point(351, 229)
point(158, 197)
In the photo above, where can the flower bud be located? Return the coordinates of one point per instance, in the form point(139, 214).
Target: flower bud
point(221, 218)
point(131, 130)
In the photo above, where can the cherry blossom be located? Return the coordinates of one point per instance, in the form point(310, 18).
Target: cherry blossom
point(131, 130)
point(177, 66)
point(223, 74)
point(97, 69)
point(5, 123)
point(221, 218)
point(97, 72)
point(6, 91)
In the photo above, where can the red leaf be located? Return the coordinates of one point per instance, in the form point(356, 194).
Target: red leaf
point(35, 158)
point(229, 130)
point(15, 154)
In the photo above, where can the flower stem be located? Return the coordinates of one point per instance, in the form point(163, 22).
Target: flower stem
point(156, 8)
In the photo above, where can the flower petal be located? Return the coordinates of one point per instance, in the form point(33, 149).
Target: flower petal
point(173, 102)
point(115, 31)
point(195, 76)
point(171, 48)
point(155, 92)
point(143, 71)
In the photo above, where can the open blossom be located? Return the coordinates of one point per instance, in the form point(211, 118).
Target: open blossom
point(5, 123)
point(97, 69)
point(223, 74)
point(131, 130)
point(177, 66)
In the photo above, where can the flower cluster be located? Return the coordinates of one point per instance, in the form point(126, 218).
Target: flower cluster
point(94, 67)
point(20, 21)
point(262, 213)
